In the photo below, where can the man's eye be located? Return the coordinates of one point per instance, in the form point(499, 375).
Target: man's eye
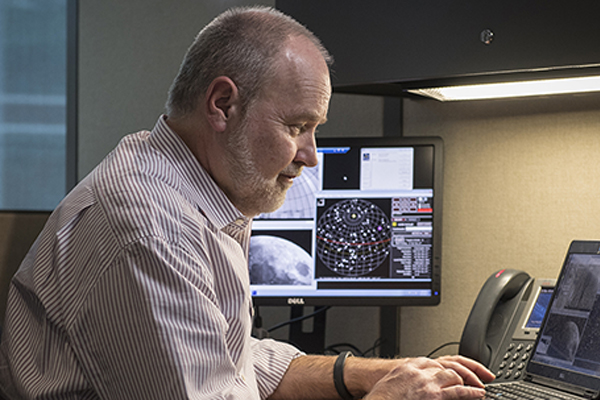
point(296, 129)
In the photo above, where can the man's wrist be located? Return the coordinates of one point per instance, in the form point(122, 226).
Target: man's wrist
point(361, 374)
point(338, 376)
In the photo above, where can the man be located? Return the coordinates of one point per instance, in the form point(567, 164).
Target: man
point(137, 288)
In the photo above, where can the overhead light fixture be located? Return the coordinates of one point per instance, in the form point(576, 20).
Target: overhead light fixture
point(512, 89)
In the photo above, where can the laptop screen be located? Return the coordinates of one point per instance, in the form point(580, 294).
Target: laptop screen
point(568, 346)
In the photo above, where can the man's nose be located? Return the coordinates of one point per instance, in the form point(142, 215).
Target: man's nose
point(307, 149)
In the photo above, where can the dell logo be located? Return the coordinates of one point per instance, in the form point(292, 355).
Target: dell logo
point(295, 301)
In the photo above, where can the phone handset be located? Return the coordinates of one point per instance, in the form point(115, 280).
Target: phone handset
point(499, 289)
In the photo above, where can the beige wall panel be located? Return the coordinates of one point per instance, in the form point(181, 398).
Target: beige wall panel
point(521, 180)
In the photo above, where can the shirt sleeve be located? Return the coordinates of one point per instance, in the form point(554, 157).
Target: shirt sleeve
point(151, 328)
point(271, 361)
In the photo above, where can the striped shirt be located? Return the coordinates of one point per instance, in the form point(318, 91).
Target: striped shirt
point(138, 288)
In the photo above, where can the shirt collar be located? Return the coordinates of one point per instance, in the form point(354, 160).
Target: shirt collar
point(198, 185)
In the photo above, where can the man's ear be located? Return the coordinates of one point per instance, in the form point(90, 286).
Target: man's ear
point(222, 102)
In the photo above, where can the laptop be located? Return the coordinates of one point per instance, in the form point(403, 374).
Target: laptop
point(565, 361)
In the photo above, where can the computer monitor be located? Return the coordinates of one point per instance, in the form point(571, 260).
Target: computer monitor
point(363, 227)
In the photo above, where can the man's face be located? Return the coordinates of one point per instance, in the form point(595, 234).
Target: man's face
point(276, 139)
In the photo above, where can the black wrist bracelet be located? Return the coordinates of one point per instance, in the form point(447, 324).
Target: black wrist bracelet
point(338, 376)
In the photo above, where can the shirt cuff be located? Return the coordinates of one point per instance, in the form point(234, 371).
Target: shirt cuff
point(271, 361)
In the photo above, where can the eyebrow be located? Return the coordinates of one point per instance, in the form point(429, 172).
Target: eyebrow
point(313, 117)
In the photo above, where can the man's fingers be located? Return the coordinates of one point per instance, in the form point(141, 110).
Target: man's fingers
point(482, 372)
point(447, 378)
point(472, 372)
point(468, 376)
point(462, 393)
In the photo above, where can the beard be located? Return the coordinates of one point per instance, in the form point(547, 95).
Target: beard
point(254, 193)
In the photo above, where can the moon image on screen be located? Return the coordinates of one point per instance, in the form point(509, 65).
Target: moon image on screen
point(353, 237)
point(277, 261)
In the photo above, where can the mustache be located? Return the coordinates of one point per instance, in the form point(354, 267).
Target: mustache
point(292, 170)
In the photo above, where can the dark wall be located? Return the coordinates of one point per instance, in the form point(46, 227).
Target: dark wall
point(18, 231)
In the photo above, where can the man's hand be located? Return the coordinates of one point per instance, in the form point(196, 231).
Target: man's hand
point(449, 378)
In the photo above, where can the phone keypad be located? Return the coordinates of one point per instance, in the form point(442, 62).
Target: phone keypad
point(513, 362)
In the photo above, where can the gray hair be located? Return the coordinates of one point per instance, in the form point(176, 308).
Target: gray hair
point(242, 44)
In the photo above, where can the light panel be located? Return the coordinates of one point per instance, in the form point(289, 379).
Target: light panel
point(512, 89)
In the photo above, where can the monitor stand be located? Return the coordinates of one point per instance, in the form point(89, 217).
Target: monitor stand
point(313, 341)
point(389, 331)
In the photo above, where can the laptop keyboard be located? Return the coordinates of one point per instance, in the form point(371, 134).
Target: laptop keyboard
point(521, 390)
